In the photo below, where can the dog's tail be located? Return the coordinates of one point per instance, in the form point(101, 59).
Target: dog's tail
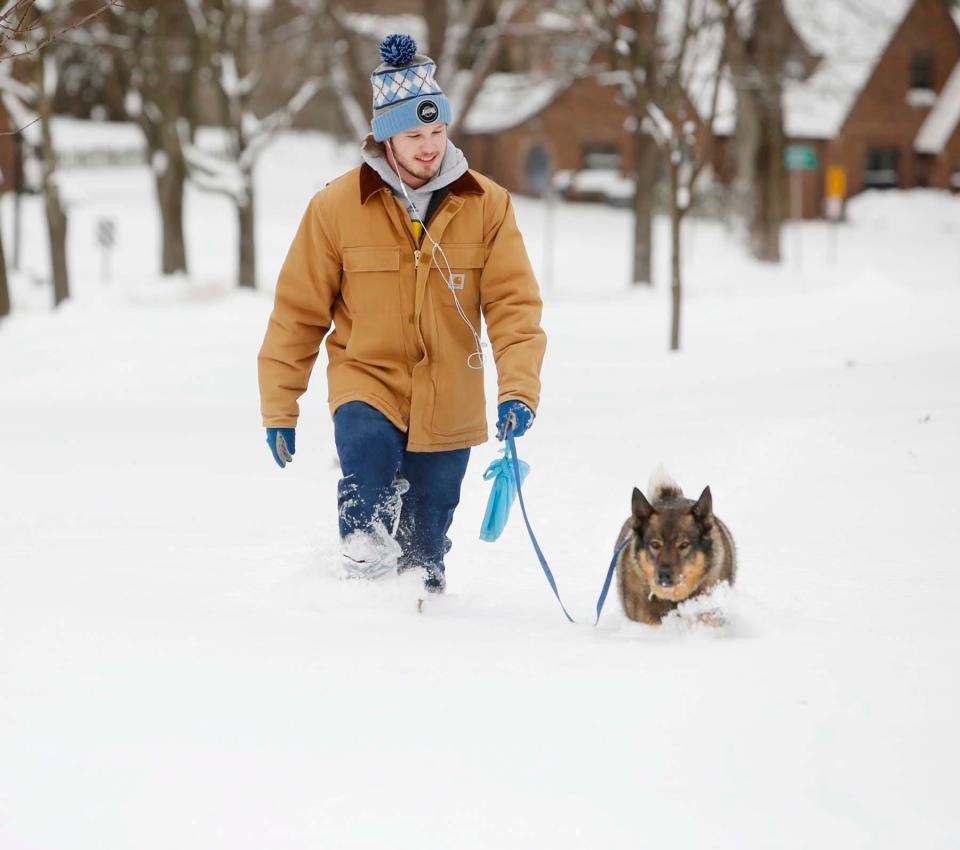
point(662, 488)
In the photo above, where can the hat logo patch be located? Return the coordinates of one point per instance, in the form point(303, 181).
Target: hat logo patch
point(427, 112)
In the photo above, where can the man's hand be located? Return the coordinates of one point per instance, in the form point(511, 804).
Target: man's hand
point(514, 415)
point(283, 444)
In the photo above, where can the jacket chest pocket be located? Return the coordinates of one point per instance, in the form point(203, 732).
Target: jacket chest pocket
point(371, 279)
point(459, 276)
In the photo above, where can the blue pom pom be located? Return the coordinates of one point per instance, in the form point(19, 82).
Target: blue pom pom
point(398, 49)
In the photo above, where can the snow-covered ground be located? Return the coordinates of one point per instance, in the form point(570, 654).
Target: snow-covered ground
point(179, 667)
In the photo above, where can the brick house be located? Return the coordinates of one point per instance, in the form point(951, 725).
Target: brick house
point(525, 127)
point(902, 126)
point(881, 100)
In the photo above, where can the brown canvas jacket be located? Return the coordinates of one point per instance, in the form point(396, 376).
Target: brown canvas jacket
point(398, 342)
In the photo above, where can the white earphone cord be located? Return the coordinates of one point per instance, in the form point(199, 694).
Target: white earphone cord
point(478, 342)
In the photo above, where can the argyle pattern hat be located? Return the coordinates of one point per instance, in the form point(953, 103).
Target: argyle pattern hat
point(405, 93)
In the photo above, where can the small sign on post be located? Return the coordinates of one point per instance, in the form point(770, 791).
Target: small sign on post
point(836, 196)
point(836, 191)
point(797, 159)
point(801, 158)
point(106, 237)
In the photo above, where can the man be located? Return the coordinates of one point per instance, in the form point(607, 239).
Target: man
point(402, 256)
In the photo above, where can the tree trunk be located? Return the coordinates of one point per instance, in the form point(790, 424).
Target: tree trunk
point(57, 230)
point(758, 64)
point(4, 287)
point(746, 144)
point(676, 218)
point(247, 262)
point(56, 217)
point(772, 46)
point(645, 182)
point(170, 188)
point(765, 233)
point(435, 14)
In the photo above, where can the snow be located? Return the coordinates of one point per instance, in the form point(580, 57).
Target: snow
point(79, 139)
point(179, 667)
point(82, 144)
point(605, 182)
point(942, 120)
point(506, 100)
point(556, 22)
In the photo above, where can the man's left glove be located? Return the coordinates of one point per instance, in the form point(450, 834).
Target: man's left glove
point(514, 414)
point(283, 444)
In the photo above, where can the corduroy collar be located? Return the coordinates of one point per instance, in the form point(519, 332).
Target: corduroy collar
point(371, 183)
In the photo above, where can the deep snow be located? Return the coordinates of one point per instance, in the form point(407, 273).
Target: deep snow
point(179, 666)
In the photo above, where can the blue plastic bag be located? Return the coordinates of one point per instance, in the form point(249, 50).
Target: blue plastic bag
point(502, 494)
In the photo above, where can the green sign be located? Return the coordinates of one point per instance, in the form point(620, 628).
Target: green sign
point(801, 158)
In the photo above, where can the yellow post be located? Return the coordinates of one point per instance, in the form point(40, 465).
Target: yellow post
point(836, 195)
point(836, 191)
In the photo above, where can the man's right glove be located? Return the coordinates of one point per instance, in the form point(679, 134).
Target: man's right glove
point(283, 444)
point(515, 415)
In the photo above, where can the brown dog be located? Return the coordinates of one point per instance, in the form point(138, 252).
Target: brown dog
point(675, 549)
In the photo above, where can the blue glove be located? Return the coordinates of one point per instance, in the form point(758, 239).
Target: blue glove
point(283, 444)
point(515, 415)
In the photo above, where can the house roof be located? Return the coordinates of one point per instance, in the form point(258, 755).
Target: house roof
point(506, 100)
point(943, 119)
point(849, 37)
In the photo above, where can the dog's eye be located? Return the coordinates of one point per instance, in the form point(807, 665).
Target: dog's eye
point(655, 545)
point(683, 545)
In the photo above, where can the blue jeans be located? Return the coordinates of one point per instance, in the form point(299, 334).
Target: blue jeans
point(412, 494)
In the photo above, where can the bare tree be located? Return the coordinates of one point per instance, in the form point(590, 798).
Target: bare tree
point(672, 60)
point(759, 39)
point(239, 46)
point(465, 46)
point(157, 57)
point(30, 103)
point(619, 59)
point(31, 37)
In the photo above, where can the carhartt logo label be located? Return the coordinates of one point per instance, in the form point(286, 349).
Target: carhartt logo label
point(457, 281)
point(427, 112)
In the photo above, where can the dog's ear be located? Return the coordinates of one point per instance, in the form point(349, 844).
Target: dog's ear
point(642, 509)
point(703, 509)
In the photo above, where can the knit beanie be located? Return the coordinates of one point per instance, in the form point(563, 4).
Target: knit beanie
point(405, 94)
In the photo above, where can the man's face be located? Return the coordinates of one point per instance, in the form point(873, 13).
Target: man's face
point(418, 153)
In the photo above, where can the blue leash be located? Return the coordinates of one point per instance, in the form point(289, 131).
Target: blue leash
point(512, 446)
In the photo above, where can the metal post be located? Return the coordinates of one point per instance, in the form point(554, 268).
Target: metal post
point(549, 221)
point(796, 185)
point(106, 236)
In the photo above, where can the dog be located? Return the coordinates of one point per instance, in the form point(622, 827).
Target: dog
point(674, 549)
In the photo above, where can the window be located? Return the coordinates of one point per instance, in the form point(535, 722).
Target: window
point(601, 156)
point(882, 170)
point(921, 70)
